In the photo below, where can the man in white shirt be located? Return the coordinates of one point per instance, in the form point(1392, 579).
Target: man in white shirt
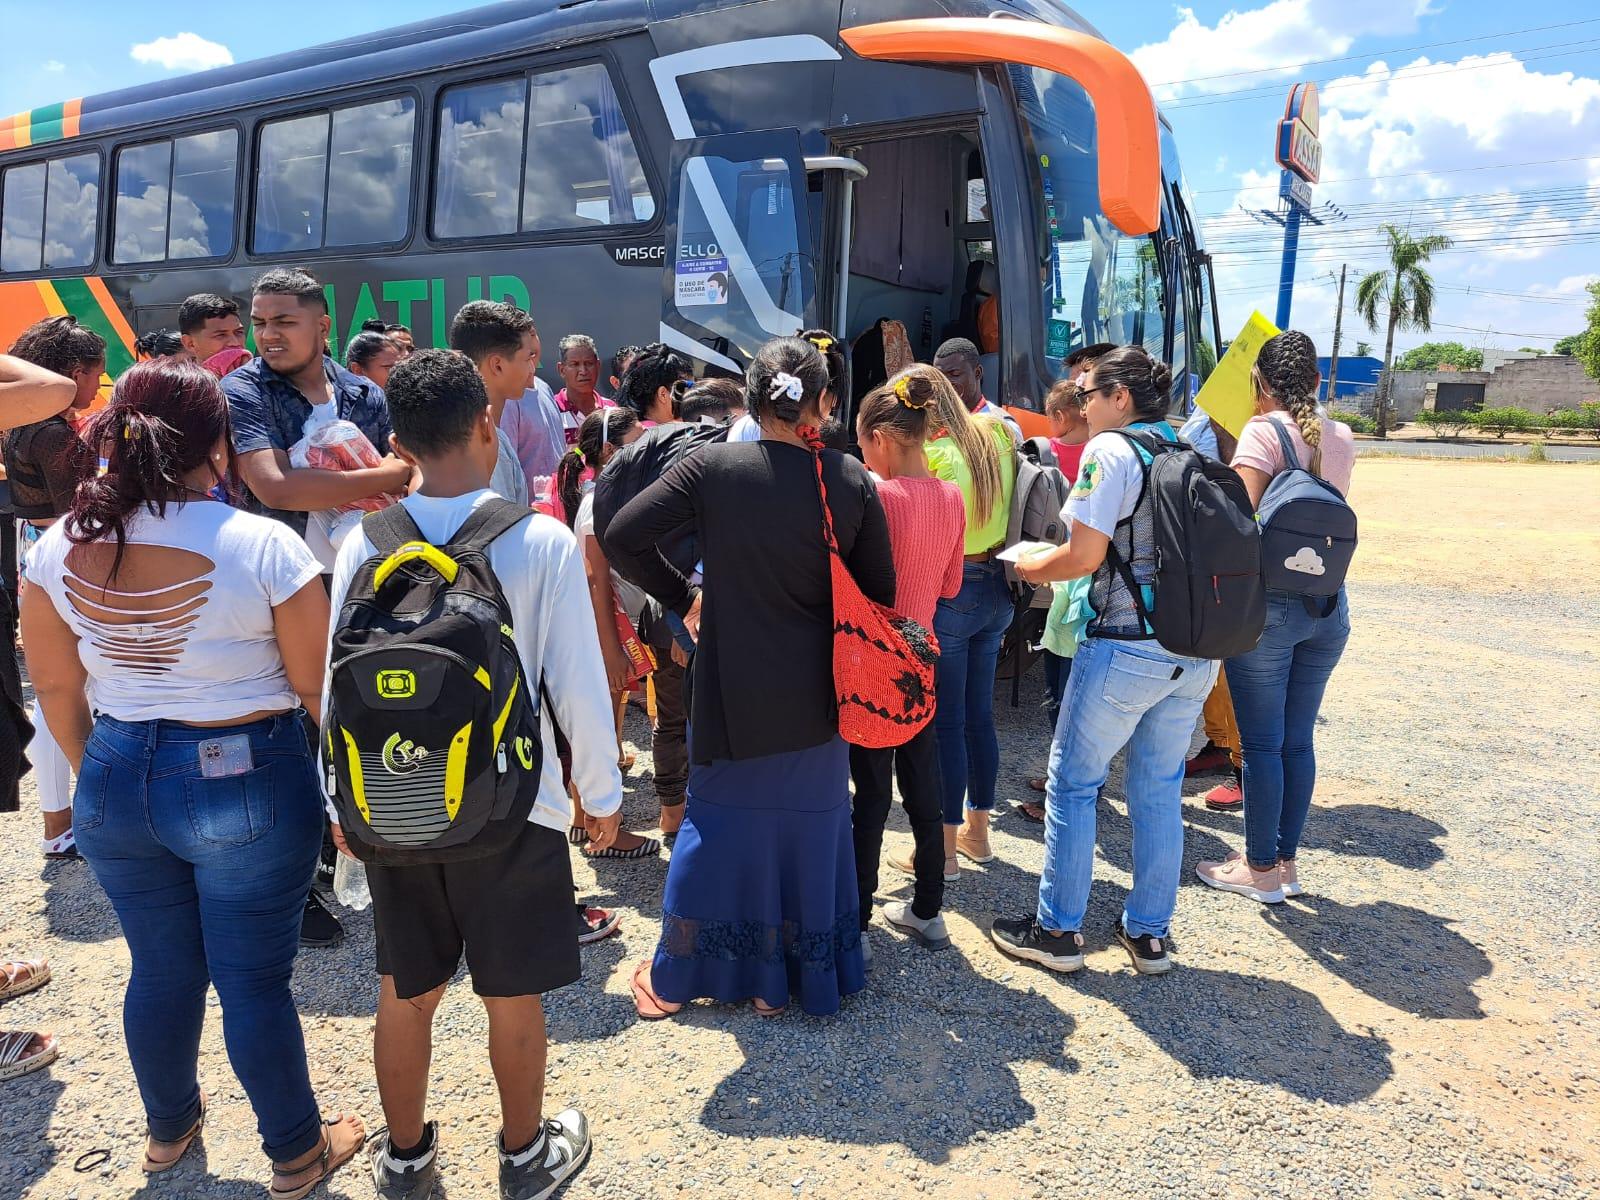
point(511, 911)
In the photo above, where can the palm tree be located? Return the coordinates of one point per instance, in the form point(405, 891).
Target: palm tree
point(1405, 289)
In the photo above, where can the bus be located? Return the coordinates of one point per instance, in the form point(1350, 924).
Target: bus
point(704, 173)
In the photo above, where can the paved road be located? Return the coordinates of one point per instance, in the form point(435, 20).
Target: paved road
point(1478, 450)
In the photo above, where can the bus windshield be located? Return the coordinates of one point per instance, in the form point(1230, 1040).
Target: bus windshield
point(1100, 285)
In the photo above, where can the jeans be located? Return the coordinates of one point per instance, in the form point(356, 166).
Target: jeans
point(209, 880)
point(970, 627)
point(917, 765)
point(1133, 694)
point(669, 744)
point(1056, 670)
point(1277, 690)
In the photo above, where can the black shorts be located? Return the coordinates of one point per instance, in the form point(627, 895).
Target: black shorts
point(511, 912)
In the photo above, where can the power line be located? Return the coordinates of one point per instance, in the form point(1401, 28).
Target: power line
point(1318, 62)
point(1538, 162)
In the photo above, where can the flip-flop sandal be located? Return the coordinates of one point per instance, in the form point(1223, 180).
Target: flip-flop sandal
point(646, 1003)
point(577, 835)
point(1038, 785)
point(645, 849)
point(15, 1062)
point(176, 1148)
point(765, 1010)
point(1032, 812)
point(12, 981)
point(324, 1163)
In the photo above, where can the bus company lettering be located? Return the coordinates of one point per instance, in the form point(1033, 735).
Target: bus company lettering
point(647, 255)
point(423, 305)
point(699, 250)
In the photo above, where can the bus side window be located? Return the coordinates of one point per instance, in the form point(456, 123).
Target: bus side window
point(475, 182)
point(174, 199)
point(544, 152)
point(359, 193)
point(49, 214)
point(22, 218)
point(582, 168)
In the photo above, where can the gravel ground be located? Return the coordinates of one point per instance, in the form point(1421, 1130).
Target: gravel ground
point(1424, 1023)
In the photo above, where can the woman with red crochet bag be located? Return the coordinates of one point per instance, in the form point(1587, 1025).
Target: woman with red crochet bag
point(761, 897)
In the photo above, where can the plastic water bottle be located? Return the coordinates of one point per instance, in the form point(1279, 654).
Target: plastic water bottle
point(350, 884)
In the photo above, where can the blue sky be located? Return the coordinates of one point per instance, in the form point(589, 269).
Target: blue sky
point(1429, 101)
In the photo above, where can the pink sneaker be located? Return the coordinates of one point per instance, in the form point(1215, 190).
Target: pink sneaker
point(1289, 878)
point(1234, 874)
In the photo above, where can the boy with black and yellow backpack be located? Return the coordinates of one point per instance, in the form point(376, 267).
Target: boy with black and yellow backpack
point(464, 634)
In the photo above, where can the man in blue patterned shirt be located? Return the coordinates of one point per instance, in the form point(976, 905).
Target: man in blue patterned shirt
point(270, 398)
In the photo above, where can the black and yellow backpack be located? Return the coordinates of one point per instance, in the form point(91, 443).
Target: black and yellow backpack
point(431, 738)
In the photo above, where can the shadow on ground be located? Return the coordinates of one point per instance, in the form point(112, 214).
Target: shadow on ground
point(1407, 958)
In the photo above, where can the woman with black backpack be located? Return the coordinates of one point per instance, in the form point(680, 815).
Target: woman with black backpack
point(1126, 689)
point(1277, 687)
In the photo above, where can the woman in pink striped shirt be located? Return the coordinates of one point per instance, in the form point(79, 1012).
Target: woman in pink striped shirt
point(927, 527)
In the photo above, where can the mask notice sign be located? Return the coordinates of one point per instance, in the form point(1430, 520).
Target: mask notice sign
point(701, 281)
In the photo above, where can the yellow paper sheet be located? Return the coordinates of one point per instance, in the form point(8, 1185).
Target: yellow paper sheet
point(1227, 396)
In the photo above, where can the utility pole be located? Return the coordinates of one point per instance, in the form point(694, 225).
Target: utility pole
point(1338, 329)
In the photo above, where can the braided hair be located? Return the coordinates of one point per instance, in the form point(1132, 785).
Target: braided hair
point(1287, 372)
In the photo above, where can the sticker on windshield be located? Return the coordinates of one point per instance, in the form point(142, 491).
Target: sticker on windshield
point(701, 281)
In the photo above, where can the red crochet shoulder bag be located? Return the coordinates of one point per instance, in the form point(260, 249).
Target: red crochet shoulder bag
point(882, 661)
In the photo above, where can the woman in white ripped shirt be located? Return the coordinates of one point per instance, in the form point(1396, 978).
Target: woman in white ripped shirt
point(203, 630)
point(1126, 689)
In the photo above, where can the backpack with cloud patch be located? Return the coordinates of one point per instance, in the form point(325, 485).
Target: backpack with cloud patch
point(431, 738)
point(1209, 598)
point(1308, 532)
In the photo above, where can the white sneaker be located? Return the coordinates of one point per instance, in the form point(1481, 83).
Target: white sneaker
point(931, 933)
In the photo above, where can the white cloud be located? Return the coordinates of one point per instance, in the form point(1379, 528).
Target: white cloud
point(1439, 133)
point(54, 66)
point(182, 52)
point(1262, 41)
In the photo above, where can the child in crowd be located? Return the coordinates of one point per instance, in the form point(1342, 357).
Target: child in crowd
point(1069, 431)
point(509, 911)
point(601, 435)
point(927, 525)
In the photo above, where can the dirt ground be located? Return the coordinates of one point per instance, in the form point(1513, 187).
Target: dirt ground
point(1425, 1022)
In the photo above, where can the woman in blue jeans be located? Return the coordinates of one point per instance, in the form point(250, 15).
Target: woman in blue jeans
point(201, 630)
point(1277, 688)
point(1125, 689)
point(976, 454)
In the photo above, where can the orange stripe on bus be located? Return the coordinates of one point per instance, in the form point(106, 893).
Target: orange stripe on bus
point(97, 288)
point(71, 113)
point(14, 131)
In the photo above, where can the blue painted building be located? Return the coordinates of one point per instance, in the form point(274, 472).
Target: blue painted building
point(1356, 376)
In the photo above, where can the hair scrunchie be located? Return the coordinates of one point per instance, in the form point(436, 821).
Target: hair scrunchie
point(785, 384)
point(902, 393)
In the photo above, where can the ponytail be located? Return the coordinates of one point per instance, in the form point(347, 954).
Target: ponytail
point(973, 437)
point(602, 428)
point(164, 419)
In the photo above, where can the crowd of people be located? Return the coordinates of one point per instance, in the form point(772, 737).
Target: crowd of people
point(671, 545)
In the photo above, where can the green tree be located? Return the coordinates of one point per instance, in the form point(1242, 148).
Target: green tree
point(1402, 296)
point(1588, 349)
point(1430, 356)
point(1363, 349)
point(1569, 344)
